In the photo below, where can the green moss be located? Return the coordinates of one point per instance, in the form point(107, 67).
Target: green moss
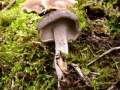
point(21, 52)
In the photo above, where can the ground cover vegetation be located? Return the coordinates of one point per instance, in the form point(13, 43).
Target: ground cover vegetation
point(27, 64)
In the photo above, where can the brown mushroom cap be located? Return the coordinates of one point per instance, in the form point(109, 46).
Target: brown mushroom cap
point(46, 25)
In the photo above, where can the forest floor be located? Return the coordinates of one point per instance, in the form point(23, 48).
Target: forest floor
point(27, 64)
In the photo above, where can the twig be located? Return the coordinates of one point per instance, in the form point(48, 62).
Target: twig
point(105, 53)
point(10, 4)
point(36, 42)
point(76, 67)
point(86, 79)
point(111, 87)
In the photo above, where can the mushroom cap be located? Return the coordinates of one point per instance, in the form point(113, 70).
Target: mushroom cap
point(46, 25)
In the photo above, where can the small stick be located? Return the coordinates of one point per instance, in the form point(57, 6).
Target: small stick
point(111, 87)
point(105, 53)
point(76, 67)
point(10, 4)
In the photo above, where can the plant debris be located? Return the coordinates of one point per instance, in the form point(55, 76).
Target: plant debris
point(27, 64)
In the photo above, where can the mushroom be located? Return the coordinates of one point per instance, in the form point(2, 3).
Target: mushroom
point(60, 27)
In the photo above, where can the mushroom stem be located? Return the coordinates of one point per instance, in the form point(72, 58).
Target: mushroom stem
point(60, 36)
point(61, 45)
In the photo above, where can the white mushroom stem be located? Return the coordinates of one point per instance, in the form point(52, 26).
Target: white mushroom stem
point(60, 36)
point(61, 45)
